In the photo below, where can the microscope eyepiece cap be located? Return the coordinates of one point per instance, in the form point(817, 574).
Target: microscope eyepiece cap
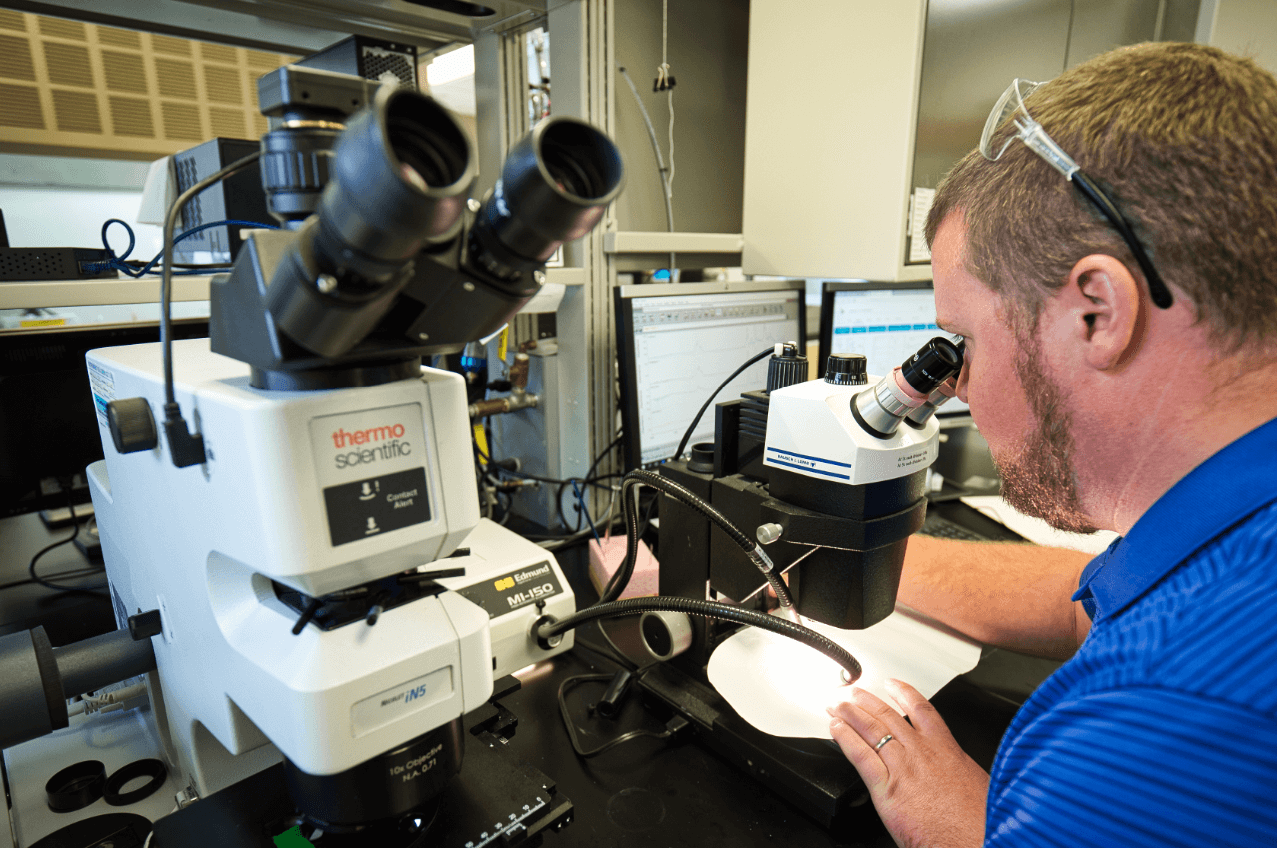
point(935, 362)
point(846, 369)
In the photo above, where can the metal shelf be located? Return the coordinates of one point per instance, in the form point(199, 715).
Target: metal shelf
point(53, 293)
point(635, 251)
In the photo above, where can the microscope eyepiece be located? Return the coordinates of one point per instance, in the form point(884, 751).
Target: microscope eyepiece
point(881, 409)
point(935, 362)
point(555, 186)
point(401, 174)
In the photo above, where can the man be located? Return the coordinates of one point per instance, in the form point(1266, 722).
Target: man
point(1106, 410)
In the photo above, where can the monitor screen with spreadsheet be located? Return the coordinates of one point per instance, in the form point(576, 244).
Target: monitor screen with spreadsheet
point(677, 343)
point(887, 322)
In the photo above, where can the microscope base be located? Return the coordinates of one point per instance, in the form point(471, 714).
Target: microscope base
point(493, 787)
point(811, 774)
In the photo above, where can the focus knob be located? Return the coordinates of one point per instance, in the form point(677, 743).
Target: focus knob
point(132, 425)
point(786, 368)
point(846, 369)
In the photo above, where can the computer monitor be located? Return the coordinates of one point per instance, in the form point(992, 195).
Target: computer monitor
point(677, 343)
point(884, 321)
point(48, 420)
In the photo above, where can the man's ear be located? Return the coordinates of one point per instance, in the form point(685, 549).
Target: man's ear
point(1102, 308)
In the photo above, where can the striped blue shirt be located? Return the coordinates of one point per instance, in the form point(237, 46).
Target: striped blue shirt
point(1162, 729)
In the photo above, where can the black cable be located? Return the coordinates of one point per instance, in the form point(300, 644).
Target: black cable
point(668, 487)
point(185, 448)
point(529, 476)
point(603, 454)
point(589, 476)
point(61, 575)
point(166, 278)
point(708, 609)
point(220, 266)
point(672, 727)
point(647, 516)
point(75, 534)
point(682, 445)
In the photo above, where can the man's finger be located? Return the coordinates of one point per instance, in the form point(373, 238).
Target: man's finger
point(873, 732)
point(891, 719)
point(859, 752)
point(919, 709)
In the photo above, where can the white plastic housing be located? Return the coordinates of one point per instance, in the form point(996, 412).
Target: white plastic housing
point(202, 544)
point(811, 431)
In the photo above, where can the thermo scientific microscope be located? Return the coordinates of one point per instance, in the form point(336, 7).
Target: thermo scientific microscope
point(288, 510)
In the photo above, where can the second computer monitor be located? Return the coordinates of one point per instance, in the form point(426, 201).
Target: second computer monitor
point(887, 322)
point(677, 343)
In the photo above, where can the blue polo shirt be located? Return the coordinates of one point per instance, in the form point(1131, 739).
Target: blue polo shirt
point(1162, 729)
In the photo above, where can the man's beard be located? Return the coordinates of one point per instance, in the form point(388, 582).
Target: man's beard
point(1039, 480)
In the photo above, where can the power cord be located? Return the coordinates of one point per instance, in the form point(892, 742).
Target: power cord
point(185, 448)
point(682, 445)
point(137, 268)
point(673, 727)
point(75, 534)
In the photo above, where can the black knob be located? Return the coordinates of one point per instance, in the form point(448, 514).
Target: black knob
point(787, 368)
point(935, 362)
point(846, 369)
point(132, 425)
point(144, 625)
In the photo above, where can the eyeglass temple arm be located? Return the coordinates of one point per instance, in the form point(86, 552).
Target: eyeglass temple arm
point(1157, 290)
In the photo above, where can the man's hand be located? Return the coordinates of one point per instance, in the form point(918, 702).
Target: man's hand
point(928, 793)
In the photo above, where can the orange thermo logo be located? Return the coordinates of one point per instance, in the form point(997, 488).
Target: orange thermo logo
point(342, 438)
point(386, 440)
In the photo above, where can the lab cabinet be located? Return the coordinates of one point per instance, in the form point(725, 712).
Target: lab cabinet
point(856, 109)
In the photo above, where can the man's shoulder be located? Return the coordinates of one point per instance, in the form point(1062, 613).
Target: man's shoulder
point(1210, 625)
point(1139, 766)
point(1218, 607)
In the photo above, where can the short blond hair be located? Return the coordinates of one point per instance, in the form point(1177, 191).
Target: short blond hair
point(1183, 137)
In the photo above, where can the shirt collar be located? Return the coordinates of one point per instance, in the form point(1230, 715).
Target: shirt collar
point(1223, 490)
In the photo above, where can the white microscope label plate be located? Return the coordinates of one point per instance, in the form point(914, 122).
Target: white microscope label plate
point(393, 704)
point(371, 465)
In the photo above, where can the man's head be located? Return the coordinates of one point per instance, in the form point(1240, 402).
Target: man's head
point(1184, 140)
point(1182, 136)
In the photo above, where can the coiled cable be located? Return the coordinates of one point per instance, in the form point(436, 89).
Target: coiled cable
point(668, 487)
point(609, 606)
point(546, 629)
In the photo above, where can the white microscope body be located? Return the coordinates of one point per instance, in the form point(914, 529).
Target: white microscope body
point(315, 491)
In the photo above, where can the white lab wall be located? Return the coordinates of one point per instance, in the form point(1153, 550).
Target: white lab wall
point(1245, 27)
point(63, 217)
point(58, 201)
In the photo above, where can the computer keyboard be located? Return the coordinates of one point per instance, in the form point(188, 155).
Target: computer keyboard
point(943, 528)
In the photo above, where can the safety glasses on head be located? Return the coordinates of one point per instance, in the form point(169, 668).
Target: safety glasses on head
point(1010, 110)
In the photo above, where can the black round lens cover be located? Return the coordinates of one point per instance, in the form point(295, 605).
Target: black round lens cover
point(76, 787)
point(153, 769)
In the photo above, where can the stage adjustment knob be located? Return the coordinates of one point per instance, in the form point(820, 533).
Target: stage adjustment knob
point(846, 369)
point(132, 425)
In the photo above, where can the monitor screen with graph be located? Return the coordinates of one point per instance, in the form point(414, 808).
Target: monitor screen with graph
point(677, 343)
point(887, 322)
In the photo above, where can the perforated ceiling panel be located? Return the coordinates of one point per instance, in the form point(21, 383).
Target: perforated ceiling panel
point(68, 86)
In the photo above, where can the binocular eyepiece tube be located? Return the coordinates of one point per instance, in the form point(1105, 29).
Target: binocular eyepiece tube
point(401, 177)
